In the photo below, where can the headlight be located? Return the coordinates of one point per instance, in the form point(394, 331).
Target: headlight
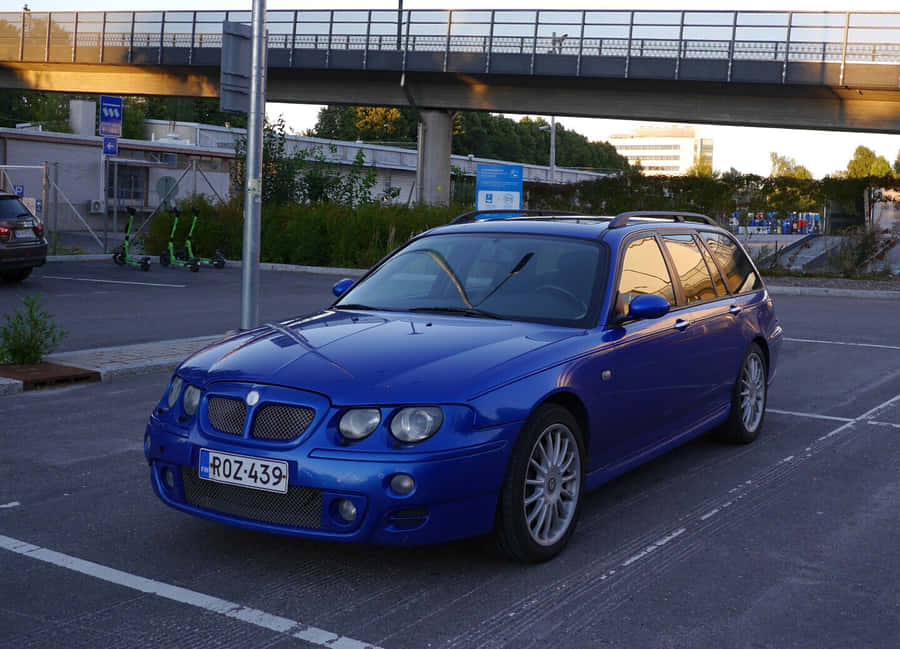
point(191, 399)
point(359, 422)
point(174, 391)
point(417, 423)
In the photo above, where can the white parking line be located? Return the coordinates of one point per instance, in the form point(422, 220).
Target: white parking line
point(838, 342)
point(113, 281)
point(234, 610)
point(808, 414)
point(14, 503)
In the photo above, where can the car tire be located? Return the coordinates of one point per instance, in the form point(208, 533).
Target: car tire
point(541, 497)
point(748, 399)
point(19, 275)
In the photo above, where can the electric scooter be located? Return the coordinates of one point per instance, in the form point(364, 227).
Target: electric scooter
point(122, 254)
point(169, 258)
point(217, 260)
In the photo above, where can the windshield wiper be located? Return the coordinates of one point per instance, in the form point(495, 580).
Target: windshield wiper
point(357, 307)
point(472, 313)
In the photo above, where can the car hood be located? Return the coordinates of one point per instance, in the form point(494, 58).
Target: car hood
point(379, 358)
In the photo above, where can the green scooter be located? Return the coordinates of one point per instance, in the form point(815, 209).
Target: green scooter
point(122, 254)
point(217, 260)
point(169, 257)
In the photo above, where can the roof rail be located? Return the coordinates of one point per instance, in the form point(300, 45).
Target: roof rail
point(622, 219)
point(469, 217)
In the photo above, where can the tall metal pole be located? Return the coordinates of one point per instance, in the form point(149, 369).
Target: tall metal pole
point(552, 149)
point(399, 23)
point(253, 192)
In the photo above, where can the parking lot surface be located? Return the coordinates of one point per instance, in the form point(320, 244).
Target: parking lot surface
point(788, 542)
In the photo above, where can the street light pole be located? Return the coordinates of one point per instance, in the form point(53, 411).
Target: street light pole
point(253, 192)
point(552, 149)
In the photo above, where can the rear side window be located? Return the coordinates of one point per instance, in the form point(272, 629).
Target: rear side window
point(739, 273)
point(691, 269)
point(644, 272)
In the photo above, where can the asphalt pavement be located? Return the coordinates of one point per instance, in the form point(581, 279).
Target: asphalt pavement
point(787, 542)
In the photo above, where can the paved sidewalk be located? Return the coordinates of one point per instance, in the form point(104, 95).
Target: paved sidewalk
point(124, 360)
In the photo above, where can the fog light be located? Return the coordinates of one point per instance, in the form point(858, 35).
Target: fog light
point(402, 484)
point(347, 510)
point(168, 478)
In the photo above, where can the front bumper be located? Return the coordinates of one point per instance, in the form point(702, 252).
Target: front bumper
point(455, 494)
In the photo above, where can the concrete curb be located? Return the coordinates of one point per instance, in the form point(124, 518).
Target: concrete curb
point(833, 292)
point(285, 268)
point(9, 386)
point(140, 358)
point(103, 257)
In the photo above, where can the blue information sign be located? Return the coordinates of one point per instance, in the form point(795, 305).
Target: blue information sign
point(110, 116)
point(39, 206)
point(110, 146)
point(19, 190)
point(498, 187)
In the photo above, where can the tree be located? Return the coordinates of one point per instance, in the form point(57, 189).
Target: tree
point(701, 169)
point(866, 164)
point(783, 166)
point(897, 165)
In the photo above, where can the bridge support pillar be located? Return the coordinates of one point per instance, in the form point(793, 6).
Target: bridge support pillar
point(433, 169)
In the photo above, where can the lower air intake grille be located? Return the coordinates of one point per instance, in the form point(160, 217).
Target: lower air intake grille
point(279, 422)
point(299, 507)
point(227, 415)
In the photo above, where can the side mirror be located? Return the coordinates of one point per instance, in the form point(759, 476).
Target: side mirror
point(342, 286)
point(648, 307)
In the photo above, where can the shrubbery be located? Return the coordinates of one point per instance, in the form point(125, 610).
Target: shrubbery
point(28, 334)
point(309, 235)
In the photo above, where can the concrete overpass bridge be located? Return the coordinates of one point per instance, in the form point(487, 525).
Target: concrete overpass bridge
point(815, 70)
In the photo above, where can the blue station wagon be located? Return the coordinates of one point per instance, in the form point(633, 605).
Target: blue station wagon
point(478, 380)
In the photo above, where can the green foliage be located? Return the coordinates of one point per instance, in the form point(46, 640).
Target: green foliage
point(324, 234)
point(49, 109)
point(28, 334)
point(897, 165)
point(865, 164)
point(478, 133)
point(783, 166)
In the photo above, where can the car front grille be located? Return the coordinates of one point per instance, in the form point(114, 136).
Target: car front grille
point(280, 422)
point(227, 415)
point(299, 507)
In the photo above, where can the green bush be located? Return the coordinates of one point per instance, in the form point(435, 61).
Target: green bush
point(28, 334)
point(325, 234)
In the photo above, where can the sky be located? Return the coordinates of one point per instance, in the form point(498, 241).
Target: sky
point(744, 148)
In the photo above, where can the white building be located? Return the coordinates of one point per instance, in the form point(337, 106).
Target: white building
point(665, 150)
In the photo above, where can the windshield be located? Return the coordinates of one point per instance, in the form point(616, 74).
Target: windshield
point(510, 276)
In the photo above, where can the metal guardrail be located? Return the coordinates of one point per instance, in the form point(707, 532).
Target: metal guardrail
point(477, 41)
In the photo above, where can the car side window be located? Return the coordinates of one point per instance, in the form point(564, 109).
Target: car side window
point(644, 272)
point(739, 273)
point(691, 269)
point(721, 289)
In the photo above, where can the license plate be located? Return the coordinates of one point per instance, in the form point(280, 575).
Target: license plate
point(22, 235)
point(244, 471)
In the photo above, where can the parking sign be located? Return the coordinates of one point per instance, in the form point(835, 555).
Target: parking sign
point(110, 116)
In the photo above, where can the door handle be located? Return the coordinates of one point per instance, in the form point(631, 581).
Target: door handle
point(681, 325)
point(735, 309)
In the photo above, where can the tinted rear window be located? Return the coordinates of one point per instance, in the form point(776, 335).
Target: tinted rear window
point(11, 208)
point(739, 273)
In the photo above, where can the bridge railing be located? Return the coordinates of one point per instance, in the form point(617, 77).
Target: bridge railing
point(583, 42)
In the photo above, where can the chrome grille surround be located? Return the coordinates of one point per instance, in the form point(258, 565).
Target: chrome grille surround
point(299, 507)
point(281, 422)
point(227, 415)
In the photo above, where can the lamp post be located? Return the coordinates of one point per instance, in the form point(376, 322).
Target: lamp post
point(552, 129)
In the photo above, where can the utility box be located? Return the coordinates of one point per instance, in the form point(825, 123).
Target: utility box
point(83, 117)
